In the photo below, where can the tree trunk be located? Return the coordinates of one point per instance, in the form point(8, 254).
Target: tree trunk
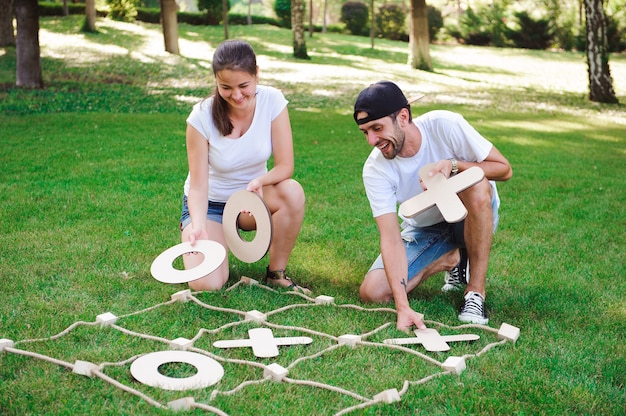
point(600, 82)
point(169, 23)
point(225, 17)
point(7, 32)
point(28, 73)
point(297, 25)
point(324, 16)
point(372, 24)
point(311, 28)
point(90, 15)
point(419, 40)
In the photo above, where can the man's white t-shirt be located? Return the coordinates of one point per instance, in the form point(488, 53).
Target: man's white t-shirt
point(445, 135)
point(233, 163)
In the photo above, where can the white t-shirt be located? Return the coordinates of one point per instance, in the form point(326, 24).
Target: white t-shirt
point(445, 135)
point(233, 163)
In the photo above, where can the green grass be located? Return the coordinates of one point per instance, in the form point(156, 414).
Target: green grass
point(92, 169)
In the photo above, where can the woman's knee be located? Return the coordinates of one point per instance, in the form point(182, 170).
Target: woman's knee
point(290, 194)
point(211, 282)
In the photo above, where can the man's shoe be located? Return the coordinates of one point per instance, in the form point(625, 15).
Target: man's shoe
point(473, 309)
point(459, 276)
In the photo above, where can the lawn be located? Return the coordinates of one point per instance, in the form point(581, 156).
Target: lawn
point(92, 172)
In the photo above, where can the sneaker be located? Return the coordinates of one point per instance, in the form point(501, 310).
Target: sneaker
point(473, 309)
point(459, 276)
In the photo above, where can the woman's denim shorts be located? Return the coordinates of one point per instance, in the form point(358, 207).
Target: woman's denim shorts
point(214, 212)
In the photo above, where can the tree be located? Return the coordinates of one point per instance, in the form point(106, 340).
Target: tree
point(419, 48)
point(90, 16)
point(7, 34)
point(297, 27)
point(225, 7)
point(372, 24)
point(169, 22)
point(596, 49)
point(28, 72)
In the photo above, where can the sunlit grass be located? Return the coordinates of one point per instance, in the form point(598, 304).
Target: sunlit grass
point(92, 171)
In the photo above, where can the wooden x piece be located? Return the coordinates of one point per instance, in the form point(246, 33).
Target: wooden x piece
point(432, 340)
point(442, 192)
point(262, 341)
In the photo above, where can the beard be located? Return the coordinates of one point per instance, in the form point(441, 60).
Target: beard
point(395, 142)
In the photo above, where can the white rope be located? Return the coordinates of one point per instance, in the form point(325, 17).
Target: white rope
point(365, 402)
point(326, 387)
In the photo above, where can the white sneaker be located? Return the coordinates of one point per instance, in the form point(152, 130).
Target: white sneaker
point(473, 309)
point(456, 278)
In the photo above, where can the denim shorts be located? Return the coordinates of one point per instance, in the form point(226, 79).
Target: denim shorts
point(214, 212)
point(424, 245)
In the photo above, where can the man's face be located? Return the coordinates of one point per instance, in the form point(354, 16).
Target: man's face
point(385, 134)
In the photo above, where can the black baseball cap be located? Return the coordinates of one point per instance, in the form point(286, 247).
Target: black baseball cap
point(379, 100)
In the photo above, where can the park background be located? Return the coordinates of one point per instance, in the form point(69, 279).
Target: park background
point(92, 172)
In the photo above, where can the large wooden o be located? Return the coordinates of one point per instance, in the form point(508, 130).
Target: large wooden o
point(248, 251)
point(146, 370)
point(162, 268)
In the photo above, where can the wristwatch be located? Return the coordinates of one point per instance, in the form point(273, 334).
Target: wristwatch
point(455, 167)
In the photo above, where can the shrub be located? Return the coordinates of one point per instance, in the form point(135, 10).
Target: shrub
point(435, 22)
point(355, 15)
point(532, 33)
point(472, 30)
point(148, 15)
point(242, 19)
point(124, 10)
point(616, 36)
point(213, 9)
point(391, 22)
point(282, 8)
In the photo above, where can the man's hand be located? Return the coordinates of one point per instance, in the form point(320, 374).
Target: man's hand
point(407, 317)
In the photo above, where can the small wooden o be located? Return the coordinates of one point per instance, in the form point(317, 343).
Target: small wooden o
point(163, 270)
point(248, 251)
point(146, 370)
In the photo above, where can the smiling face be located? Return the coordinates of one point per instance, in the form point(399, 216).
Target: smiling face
point(237, 88)
point(385, 134)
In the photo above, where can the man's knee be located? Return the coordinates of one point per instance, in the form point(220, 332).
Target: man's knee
point(375, 293)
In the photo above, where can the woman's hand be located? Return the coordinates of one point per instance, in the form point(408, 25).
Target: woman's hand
point(255, 186)
point(197, 234)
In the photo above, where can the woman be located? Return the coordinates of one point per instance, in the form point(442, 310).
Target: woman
point(236, 130)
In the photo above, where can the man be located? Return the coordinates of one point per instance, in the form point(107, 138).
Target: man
point(426, 244)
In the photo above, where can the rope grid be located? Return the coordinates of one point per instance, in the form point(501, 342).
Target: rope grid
point(388, 396)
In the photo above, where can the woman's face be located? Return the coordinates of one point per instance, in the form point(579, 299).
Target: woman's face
point(237, 88)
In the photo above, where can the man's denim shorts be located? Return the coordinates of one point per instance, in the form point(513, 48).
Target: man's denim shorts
point(424, 245)
point(214, 212)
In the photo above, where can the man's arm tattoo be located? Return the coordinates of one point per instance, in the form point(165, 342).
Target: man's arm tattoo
point(403, 283)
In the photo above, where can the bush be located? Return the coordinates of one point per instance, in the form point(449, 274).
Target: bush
point(391, 22)
point(616, 36)
point(435, 22)
point(242, 19)
point(472, 30)
point(355, 15)
point(532, 33)
point(56, 9)
point(148, 15)
point(282, 8)
point(213, 9)
point(124, 10)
